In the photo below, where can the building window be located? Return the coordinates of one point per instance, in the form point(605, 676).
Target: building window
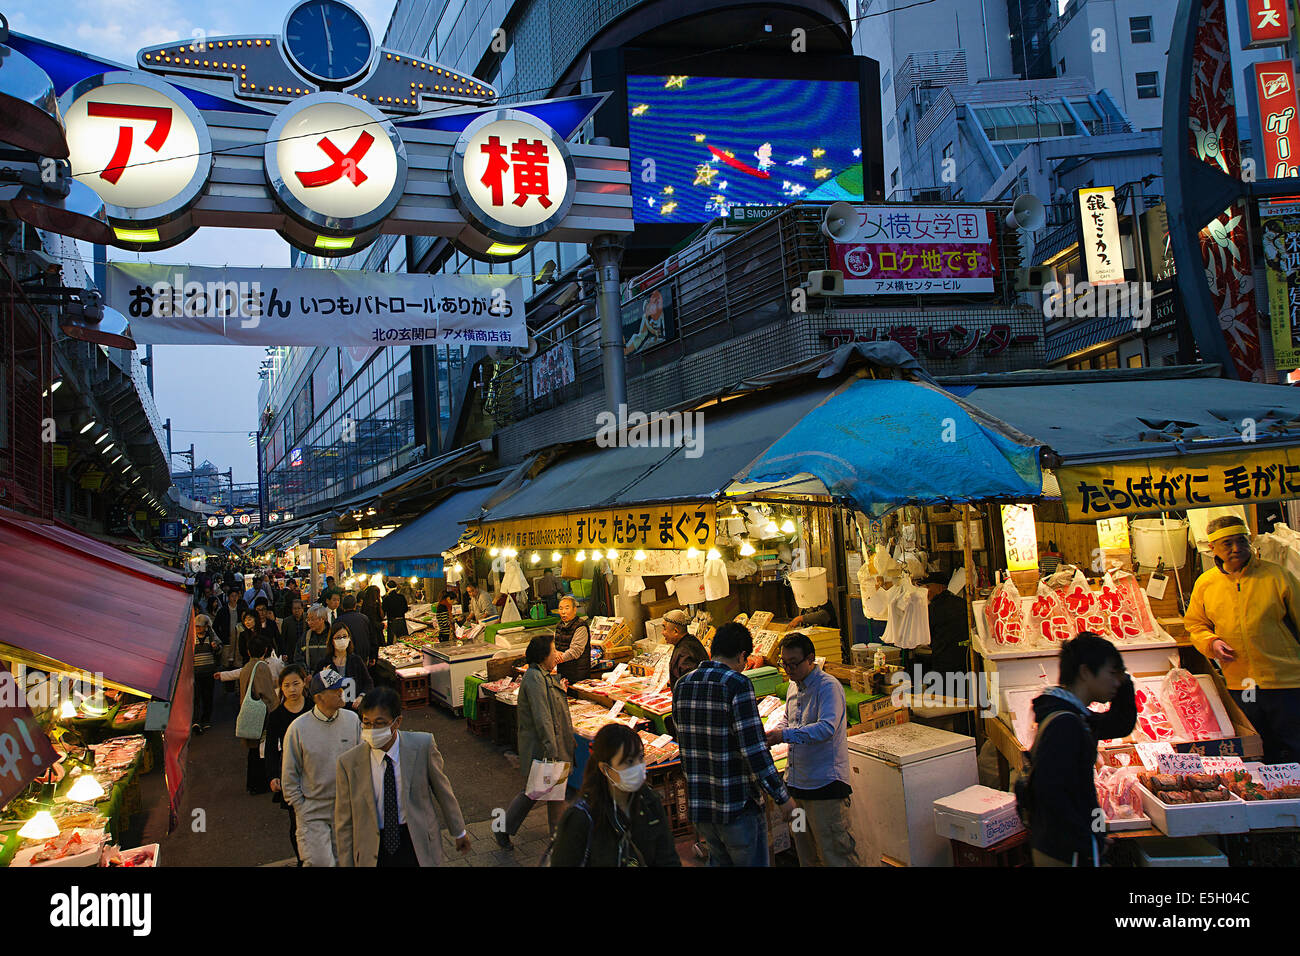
point(886, 81)
point(1061, 65)
point(891, 130)
point(1135, 361)
point(947, 152)
point(907, 119)
point(1148, 86)
point(1139, 29)
point(893, 179)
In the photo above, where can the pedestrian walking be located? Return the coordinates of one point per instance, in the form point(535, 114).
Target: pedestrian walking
point(207, 653)
point(313, 647)
point(259, 674)
point(358, 626)
point(617, 820)
point(1245, 614)
point(395, 607)
point(357, 680)
point(371, 608)
point(293, 704)
point(1061, 794)
point(392, 797)
point(312, 747)
point(544, 728)
point(723, 749)
point(815, 726)
point(292, 628)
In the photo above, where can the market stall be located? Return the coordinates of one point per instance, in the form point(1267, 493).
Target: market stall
point(104, 685)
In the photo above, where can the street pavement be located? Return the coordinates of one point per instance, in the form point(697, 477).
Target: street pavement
point(221, 825)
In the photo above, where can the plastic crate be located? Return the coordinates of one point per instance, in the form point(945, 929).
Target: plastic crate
point(414, 691)
point(479, 727)
point(1178, 852)
point(670, 784)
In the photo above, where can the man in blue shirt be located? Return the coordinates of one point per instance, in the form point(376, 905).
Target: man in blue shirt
point(815, 725)
point(723, 753)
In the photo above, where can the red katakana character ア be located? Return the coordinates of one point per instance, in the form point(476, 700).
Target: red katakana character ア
point(160, 116)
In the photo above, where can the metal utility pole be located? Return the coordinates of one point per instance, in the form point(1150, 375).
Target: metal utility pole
point(607, 253)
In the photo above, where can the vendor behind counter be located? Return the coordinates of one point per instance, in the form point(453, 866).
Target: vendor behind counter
point(823, 616)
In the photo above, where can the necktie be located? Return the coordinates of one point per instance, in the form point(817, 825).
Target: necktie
point(392, 837)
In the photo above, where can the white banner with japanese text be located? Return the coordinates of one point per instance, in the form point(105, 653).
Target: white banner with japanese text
point(200, 305)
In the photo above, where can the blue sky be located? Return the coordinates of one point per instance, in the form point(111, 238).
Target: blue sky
point(204, 390)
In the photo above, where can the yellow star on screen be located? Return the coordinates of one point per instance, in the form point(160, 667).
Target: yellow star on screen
point(668, 190)
point(640, 108)
point(818, 152)
point(667, 208)
point(704, 174)
point(678, 82)
point(821, 173)
point(699, 137)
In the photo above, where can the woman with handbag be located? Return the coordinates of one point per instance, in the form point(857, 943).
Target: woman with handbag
point(207, 651)
point(617, 820)
point(545, 731)
point(256, 685)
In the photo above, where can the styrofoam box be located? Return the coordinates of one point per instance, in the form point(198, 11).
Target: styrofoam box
point(1195, 819)
point(977, 815)
point(1187, 851)
point(1269, 814)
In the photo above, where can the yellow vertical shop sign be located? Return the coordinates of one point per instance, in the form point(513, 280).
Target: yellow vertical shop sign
point(649, 527)
point(1091, 492)
point(1280, 228)
point(1020, 536)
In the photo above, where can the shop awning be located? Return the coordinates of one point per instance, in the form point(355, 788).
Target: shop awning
point(405, 480)
point(885, 442)
point(415, 549)
point(732, 434)
point(1141, 444)
point(74, 604)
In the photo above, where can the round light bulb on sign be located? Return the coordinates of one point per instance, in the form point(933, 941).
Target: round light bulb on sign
point(335, 162)
point(512, 176)
point(139, 143)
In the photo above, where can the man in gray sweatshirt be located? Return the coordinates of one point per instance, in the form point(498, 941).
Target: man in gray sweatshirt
point(312, 747)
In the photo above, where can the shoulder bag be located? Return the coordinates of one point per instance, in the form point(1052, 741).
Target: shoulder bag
point(251, 721)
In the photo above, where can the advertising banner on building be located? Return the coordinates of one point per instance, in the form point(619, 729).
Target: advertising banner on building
point(197, 305)
point(553, 369)
point(1179, 482)
point(1099, 235)
point(648, 320)
point(1267, 23)
point(918, 249)
point(1278, 131)
point(643, 526)
point(1279, 223)
point(25, 751)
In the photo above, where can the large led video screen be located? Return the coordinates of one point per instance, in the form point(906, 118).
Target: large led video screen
point(717, 142)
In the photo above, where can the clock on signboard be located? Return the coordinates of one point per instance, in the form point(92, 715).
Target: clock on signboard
point(328, 41)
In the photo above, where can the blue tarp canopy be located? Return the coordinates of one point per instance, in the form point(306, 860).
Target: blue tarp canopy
point(884, 443)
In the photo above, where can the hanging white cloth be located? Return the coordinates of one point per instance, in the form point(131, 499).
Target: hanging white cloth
point(510, 612)
point(513, 582)
point(909, 616)
point(716, 586)
point(633, 584)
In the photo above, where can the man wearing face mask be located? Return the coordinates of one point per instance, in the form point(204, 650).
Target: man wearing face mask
point(312, 747)
point(391, 796)
point(1245, 613)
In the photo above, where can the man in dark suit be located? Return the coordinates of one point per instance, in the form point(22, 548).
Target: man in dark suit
point(395, 608)
point(363, 642)
point(391, 795)
point(225, 625)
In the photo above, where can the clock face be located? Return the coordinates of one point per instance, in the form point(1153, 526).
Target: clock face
point(328, 40)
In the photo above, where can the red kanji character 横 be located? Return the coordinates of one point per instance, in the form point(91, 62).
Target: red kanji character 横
point(530, 159)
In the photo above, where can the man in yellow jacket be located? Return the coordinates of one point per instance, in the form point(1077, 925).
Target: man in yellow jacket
point(1245, 613)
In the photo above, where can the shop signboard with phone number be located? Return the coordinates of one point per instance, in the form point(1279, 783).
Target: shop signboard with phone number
point(642, 526)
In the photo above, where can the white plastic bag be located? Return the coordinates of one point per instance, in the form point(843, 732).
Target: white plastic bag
point(716, 586)
point(875, 604)
point(547, 780)
point(633, 584)
point(514, 581)
point(909, 616)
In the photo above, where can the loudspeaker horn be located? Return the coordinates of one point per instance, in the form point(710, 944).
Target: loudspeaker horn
point(1027, 213)
point(840, 221)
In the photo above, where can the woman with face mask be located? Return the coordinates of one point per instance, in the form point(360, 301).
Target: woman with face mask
point(617, 819)
point(344, 659)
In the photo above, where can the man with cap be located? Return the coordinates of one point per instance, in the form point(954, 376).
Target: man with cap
point(1245, 613)
point(688, 652)
point(312, 747)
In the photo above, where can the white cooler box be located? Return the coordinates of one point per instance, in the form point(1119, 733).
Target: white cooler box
point(979, 816)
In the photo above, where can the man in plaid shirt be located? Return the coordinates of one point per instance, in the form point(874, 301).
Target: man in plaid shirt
point(725, 755)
